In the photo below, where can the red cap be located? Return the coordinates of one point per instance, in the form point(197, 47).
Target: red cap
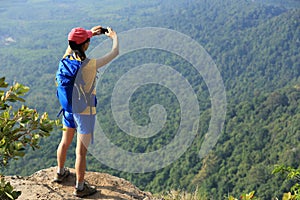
point(79, 35)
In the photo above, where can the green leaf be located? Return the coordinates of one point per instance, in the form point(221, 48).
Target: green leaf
point(13, 98)
point(2, 141)
point(19, 153)
point(9, 195)
point(3, 84)
point(277, 169)
point(16, 194)
point(36, 136)
point(20, 89)
point(18, 145)
point(231, 198)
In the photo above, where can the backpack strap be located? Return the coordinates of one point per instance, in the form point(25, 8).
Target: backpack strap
point(61, 111)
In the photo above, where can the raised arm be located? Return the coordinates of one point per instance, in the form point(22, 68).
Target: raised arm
point(114, 50)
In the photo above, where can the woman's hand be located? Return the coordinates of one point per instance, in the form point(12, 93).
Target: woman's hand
point(112, 34)
point(96, 30)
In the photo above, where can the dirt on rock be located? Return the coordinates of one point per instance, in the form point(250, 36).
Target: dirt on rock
point(40, 186)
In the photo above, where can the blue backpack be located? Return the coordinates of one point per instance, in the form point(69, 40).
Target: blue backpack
point(70, 93)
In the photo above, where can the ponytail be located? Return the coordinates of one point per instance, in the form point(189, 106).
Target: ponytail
point(78, 49)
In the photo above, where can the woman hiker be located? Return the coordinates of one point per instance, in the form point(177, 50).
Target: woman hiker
point(83, 122)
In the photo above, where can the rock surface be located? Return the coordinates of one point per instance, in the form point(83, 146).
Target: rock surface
point(40, 186)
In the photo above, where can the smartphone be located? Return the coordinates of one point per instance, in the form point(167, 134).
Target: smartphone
point(103, 30)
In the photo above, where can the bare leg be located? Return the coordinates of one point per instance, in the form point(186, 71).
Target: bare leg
point(65, 142)
point(83, 141)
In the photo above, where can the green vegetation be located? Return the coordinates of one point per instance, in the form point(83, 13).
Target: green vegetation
point(293, 175)
point(255, 47)
point(196, 195)
point(20, 128)
point(7, 192)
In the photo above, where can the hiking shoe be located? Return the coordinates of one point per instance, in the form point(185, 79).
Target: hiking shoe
point(87, 191)
point(60, 177)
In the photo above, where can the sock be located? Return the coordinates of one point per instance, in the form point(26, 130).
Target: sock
point(79, 185)
point(60, 170)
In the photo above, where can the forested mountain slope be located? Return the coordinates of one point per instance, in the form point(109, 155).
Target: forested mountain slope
point(255, 47)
